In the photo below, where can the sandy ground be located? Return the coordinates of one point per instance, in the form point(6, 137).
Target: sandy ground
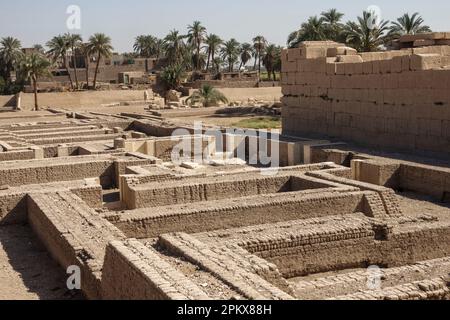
point(27, 272)
point(415, 205)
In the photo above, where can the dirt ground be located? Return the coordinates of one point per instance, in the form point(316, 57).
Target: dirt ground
point(27, 272)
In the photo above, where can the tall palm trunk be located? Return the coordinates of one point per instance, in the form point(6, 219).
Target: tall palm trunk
point(209, 59)
point(96, 70)
point(74, 61)
point(36, 106)
point(198, 55)
point(259, 64)
point(256, 61)
point(87, 71)
point(68, 72)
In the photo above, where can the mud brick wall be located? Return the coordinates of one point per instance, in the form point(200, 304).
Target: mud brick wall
point(224, 214)
point(37, 171)
point(226, 265)
point(331, 286)
point(326, 244)
point(134, 272)
point(13, 202)
point(395, 99)
point(73, 234)
point(429, 180)
point(155, 129)
point(160, 195)
point(17, 155)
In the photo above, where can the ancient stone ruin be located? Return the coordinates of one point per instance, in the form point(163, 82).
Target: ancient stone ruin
point(331, 221)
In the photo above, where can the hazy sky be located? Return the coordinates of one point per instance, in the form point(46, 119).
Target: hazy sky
point(37, 21)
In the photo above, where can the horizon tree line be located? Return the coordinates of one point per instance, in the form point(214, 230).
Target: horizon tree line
point(359, 34)
point(196, 51)
point(200, 51)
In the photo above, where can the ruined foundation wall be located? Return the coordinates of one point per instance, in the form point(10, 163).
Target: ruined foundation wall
point(395, 99)
point(133, 271)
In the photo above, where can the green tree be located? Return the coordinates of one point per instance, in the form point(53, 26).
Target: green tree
point(246, 51)
point(74, 42)
point(148, 46)
point(87, 53)
point(208, 96)
point(364, 36)
point(213, 43)
point(312, 30)
point(230, 53)
point(10, 55)
point(172, 76)
point(217, 63)
point(175, 47)
point(58, 50)
point(32, 68)
point(332, 24)
point(409, 24)
point(100, 45)
point(196, 36)
point(259, 44)
point(270, 60)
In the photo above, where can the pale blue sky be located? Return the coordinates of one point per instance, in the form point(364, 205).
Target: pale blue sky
point(37, 21)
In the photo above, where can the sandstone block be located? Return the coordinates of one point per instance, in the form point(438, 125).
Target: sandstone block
point(340, 68)
point(426, 61)
point(349, 58)
point(294, 54)
point(331, 68)
point(367, 67)
point(396, 64)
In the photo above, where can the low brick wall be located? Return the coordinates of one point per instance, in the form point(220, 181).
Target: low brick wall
point(133, 271)
point(74, 234)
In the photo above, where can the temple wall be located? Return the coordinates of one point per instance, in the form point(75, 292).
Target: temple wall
point(394, 99)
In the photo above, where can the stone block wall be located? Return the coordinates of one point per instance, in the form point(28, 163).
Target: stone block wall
point(394, 99)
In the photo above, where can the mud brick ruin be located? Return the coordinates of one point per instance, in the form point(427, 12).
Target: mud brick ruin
point(100, 190)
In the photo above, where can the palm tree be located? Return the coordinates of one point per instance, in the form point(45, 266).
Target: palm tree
point(196, 36)
point(208, 96)
point(87, 53)
point(365, 37)
point(32, 68)
point(148, 46)
point(246, 51)
point(409, 24)
point(332, 24)
point(230, 53)
point(213, 42)
point(10, 55)
point(271, 56)
point(217, 63)
point(74, 42)
point(175, 47)
point(172, 76)
point(58, 49)
point(259, 43)
point(141, 46)
point(100, 45)
point(312, 30)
